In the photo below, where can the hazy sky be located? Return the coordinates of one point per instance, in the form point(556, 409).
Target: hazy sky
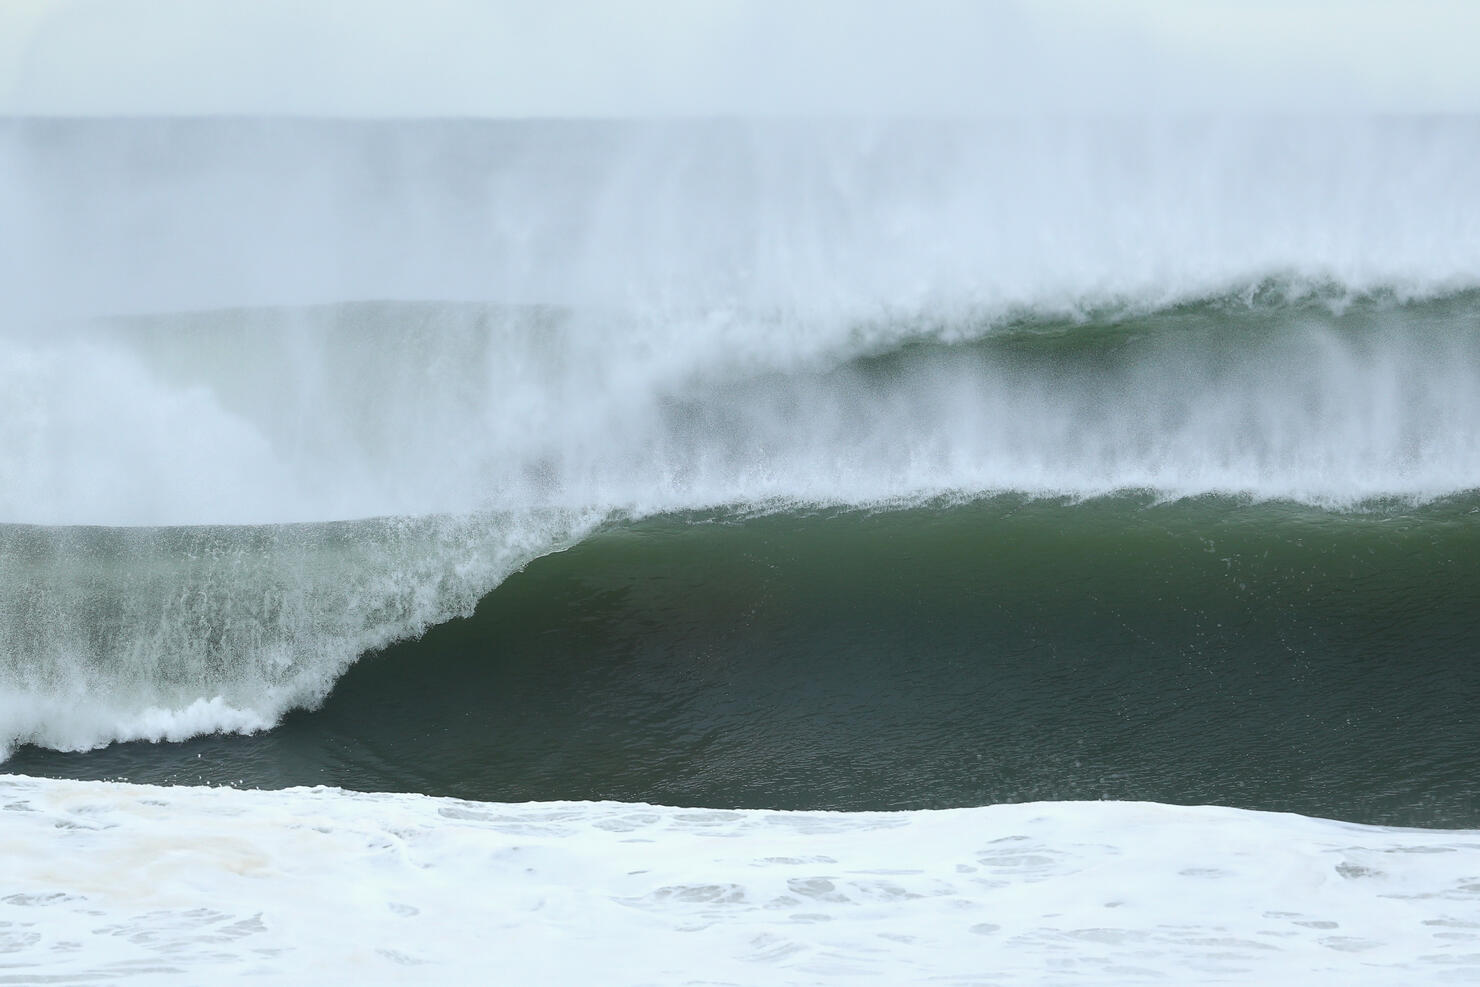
point(642, 57)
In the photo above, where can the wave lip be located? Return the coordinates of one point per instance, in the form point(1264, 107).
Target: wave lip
point(111, 634)
point(85, 722)
point(412, 409)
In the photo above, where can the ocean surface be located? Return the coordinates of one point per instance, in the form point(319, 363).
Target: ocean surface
point(726, 465)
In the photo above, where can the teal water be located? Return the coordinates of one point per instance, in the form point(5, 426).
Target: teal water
point(1201, 651)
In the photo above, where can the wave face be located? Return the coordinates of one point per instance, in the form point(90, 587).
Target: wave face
point(1006, 650)
point(230, 470)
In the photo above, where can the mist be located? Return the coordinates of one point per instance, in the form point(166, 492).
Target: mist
point(662, 58)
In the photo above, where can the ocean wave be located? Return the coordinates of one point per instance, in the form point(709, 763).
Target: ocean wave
point(485, 436)
point(943, 654)
point(116, 634)
point(686, 316)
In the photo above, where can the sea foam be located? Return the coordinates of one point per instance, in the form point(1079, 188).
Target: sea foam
point(158, 885)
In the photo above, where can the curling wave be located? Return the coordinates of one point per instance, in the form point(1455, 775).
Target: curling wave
point(212, 510)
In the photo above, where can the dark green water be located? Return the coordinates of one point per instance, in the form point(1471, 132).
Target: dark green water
point(1208, 651)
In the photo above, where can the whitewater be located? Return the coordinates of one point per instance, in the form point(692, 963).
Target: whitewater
point(308, 884)
point(280, 396)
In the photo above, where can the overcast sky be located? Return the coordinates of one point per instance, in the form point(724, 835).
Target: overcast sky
point(659, 57)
